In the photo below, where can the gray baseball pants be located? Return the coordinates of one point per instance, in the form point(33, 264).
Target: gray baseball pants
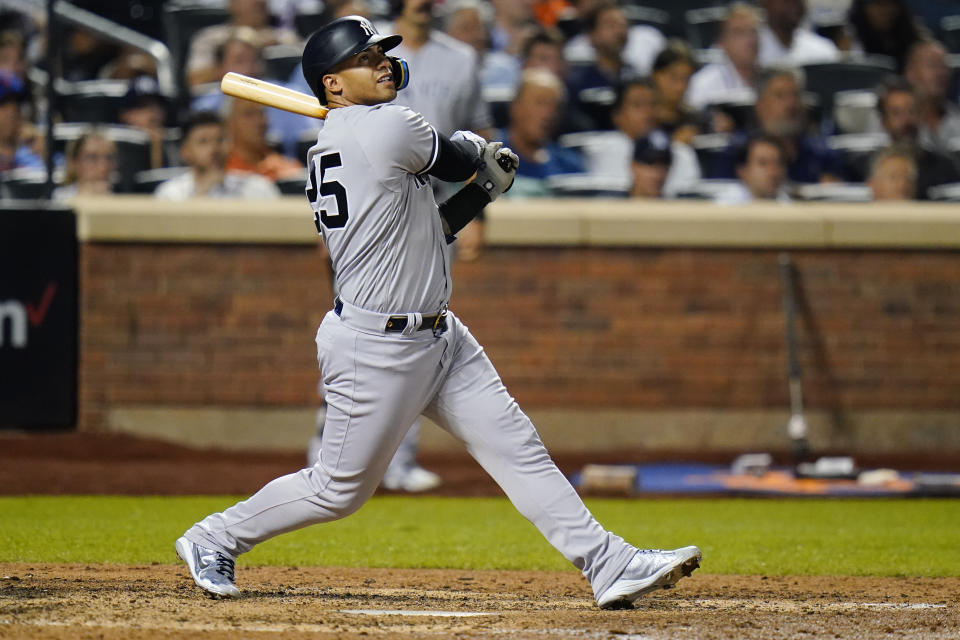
point(376, 384)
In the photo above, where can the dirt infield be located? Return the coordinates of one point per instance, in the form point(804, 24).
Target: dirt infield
point(112, 602)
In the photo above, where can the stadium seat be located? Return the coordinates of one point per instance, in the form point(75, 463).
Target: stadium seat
point(713, 154)
point(24, 184)
point(95, 101)
point(306, 23)
point(498, 99)
point(148, 181)
point(133, 148)
point(703, 26)
point(305, 140)
point(585, 185)
point(181, 21)
point(834, 192)
point(738, 104)
point(857, 149)
point(280, 60)
point(950, 33)
point(637, 14)
point(826, 79)
point(293, 186)
point(855, 111)
point(676, 9)
point(706, 189)
point(945, 192)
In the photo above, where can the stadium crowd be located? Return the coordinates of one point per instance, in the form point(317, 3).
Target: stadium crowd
point(849, 100)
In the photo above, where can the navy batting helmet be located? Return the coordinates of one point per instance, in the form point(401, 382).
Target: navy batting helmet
point(341, 39)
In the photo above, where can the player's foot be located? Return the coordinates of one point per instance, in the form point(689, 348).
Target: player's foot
point(649, 570)
point(211, 570)
point(413, 480)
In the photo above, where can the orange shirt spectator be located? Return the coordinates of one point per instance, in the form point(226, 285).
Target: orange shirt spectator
point(249, 150)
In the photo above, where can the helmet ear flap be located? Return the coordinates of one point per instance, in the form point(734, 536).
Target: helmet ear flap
point(400, 71)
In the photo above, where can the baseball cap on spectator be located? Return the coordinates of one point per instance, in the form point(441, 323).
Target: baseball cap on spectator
point(11, 87)
point(142, 91)
point(653, 149)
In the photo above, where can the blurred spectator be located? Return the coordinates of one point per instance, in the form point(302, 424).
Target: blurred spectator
point(737, 73)
point(761, 171)
point(145, 108)
point(513, 23)
point(883, 27)
point(927, 72)
point(533, 116)
point(469, 22)
point(651, 163)
point(249, 150)
point(787, 40)
point(201, 61)
point(444, 74)
point(781, 115)
point(897, 106)
point(549, 12)
point(893, 175)
point(15, 153)
point(83, 55)
point(91, 164)
point(642, 46)
point(241, 53)
point(609, 153)
point(204, 150)
point(544, 50)
point(13, 57)
point(671, 76)
point(591, 86)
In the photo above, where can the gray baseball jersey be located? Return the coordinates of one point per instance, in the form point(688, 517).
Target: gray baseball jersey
point(376, 211)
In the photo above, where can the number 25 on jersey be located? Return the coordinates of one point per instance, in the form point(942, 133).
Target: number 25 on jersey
point(330, 220)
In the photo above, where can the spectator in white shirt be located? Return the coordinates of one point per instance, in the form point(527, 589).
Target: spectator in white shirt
point(785, 40)
point(928, 73)
point(762, 172)
point(204, 149)
point(643, 42)
point(737, 73)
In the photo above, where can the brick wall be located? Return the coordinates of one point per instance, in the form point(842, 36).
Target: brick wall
point(233, 325)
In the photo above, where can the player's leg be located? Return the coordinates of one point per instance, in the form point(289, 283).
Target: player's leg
point(473, 404)
point(404, 472)
point(369, 406)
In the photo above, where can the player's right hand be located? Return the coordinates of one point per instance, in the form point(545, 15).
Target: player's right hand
point(469, 136)
point(497, 170)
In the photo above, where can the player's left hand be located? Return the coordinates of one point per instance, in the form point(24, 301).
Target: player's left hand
point(497, 170)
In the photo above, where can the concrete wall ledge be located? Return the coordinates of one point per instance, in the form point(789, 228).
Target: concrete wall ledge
point(566, 222)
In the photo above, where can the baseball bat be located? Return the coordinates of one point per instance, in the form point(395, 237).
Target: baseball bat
point(271, 95)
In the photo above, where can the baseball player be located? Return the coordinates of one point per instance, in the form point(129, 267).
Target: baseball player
point(390, 349)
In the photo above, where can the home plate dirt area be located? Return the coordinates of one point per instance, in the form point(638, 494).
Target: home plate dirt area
point(108, 601)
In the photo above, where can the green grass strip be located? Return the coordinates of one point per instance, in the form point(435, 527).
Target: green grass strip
point(738, 536)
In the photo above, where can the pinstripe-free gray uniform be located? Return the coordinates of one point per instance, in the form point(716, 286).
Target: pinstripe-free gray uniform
point(382, 227)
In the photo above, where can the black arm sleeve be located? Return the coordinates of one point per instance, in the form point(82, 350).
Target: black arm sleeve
point(463, 206)
point(456, 161)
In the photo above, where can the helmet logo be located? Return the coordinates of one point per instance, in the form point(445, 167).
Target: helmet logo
point(367, 27)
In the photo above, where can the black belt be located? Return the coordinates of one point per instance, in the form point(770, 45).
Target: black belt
point(396, 324)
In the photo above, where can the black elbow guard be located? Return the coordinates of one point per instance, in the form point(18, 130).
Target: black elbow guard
point(456, 161)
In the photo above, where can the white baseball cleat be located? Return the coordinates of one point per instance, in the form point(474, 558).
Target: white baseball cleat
point(211, 570)
point(649, 570)
point(413, 480)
